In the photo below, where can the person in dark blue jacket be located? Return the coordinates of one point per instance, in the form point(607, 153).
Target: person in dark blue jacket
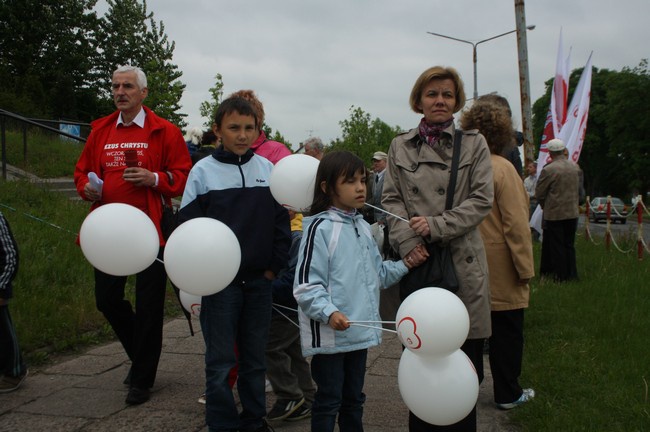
point(232, 186)
point(288, 371)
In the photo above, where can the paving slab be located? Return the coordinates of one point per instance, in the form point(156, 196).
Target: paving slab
point(84, 392)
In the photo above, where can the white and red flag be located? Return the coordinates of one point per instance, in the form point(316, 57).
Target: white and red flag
point(575, 127)
point(568, 124)
point(557, 112)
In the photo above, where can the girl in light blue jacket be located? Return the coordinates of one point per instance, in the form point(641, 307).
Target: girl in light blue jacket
point(338, 277)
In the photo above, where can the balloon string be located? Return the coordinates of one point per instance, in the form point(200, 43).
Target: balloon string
point(387, 212)
point(280, 312)
point(372, 327)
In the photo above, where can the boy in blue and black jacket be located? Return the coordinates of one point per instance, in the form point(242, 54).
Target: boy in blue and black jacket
point(232, 186)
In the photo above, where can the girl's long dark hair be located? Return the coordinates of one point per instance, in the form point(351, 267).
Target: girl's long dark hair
point(332, 166)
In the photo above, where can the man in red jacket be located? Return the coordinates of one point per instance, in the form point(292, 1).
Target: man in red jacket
point(142, 160)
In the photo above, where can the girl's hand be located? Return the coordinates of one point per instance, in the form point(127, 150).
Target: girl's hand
point(416, 257)
point(338, 321)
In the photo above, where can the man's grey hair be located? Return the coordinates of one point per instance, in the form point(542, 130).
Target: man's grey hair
point(314, 142)
point(141, 78)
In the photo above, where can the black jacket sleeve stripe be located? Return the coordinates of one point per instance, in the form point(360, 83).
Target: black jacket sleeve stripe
point(315, 333)
point(303, 275)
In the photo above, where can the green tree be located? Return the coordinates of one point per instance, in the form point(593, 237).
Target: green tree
point(364, 136)
point(129, 35)
point(209, 108)
point(629, 130)
point(47, 48)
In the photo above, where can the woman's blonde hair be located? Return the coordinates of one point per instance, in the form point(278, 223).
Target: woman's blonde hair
point(437, 72)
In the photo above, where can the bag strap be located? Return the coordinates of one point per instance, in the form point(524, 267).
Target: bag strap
point(458, 138)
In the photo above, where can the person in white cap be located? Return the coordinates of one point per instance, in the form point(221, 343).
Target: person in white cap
point(557, 191)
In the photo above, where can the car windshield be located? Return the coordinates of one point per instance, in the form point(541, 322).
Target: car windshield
point(617, 201)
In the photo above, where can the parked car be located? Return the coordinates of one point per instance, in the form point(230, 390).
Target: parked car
point(598, 210)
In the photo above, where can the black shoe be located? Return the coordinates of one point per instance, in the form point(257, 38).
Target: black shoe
point(303, 412)
point(127, 380)
point(137, 396)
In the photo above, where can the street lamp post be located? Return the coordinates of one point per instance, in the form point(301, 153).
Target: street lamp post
point(474, 45)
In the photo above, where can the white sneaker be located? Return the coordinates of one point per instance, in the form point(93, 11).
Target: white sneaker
point(202, 399)
point(527, 395)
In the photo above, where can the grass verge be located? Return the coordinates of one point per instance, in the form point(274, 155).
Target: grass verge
point(587, 354)
point(48, 155)
point(54, 305)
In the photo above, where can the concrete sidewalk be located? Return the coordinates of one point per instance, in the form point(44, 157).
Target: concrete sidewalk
point(85, 393)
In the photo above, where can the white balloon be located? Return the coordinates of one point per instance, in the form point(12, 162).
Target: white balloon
point(432, 321)
point(190, 302)
point(439, 390)
point(202, 256)
point(119, 239)
point(292, 181)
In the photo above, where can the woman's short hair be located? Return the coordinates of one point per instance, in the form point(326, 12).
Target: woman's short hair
point(437, 72)
point(493, 121)
point(251, 97)
point(497, 99)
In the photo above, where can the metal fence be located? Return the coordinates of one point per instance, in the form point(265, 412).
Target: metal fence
point(16, 122)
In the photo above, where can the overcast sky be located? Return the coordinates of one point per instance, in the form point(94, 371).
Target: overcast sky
point(309, 61)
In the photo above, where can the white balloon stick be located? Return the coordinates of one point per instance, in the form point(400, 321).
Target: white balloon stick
point(373, 327)
point(387, 212)
point(373, 322)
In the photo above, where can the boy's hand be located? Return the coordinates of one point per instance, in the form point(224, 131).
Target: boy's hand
point(338, 321)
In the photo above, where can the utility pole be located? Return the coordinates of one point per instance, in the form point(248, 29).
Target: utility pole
point(524, 83)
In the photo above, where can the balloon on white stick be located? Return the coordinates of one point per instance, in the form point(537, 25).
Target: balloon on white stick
point(190, 302)
point(432, 321)
point(292, 181)
point(202, 256)
point(439, 390)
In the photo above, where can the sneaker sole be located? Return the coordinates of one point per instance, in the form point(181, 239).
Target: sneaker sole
point(298, 417)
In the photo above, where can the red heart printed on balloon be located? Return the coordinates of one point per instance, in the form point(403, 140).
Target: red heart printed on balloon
point(406, 330)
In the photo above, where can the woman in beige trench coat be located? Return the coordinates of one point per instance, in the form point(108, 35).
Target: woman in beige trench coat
point(415, 189)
